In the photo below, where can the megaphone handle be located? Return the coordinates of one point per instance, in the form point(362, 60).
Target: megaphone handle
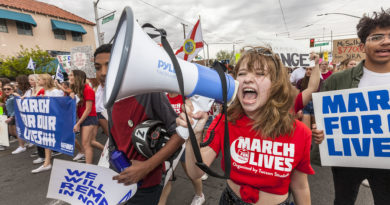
point(199, 103)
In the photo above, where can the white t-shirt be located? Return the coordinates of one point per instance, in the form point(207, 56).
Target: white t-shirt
point(297, 74)
point(99, 99)
point(28, 93)
point(370, 78)
point(54, 93)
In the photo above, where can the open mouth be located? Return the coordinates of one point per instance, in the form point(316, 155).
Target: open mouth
point(249, 96)
point(383, 52)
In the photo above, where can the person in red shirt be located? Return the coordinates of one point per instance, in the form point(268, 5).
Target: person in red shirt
point(86, 111)
point(176, 101)
point(325, 73)
point(270, 150)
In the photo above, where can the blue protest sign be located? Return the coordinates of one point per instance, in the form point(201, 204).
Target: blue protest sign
point(47, 122)
point(356, 125)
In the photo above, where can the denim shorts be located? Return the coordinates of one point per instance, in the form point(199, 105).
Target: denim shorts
point(90, 120)
point(309, 108)
point(100, 116)
point(209, 120)
point(183, 156)
point(228, 197)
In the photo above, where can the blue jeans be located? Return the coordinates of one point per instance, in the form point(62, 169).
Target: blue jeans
point(146, 196)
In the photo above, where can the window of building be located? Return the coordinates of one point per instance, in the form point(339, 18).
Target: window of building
point(76, 36)
point(59, 34)
point(3, 26)
point(24, 28)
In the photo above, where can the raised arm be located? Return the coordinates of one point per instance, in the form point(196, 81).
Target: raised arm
point(314, 81)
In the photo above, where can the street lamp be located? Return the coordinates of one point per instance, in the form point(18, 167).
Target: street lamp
point(339, 14)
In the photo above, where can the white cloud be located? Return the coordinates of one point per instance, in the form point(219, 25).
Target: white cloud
point(230, 21)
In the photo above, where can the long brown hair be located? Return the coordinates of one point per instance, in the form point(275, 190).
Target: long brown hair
point(274, 118)
point(23, 83)
point(79, 83)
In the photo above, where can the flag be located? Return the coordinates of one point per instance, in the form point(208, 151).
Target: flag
point(31, 65)
point(59, 75)
point(192, 45)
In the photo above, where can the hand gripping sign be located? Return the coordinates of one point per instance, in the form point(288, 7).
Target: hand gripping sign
point(356, 124)
point(88, 184)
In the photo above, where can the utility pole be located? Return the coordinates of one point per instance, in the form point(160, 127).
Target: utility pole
point(97, 22)
point(184, 29)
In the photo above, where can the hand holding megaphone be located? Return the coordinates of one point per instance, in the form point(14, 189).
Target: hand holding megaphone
point(198, 119)
point(196, 103)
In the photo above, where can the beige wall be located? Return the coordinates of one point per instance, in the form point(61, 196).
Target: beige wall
point(43, 36)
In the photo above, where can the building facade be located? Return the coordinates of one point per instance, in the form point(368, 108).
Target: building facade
point(32, 23)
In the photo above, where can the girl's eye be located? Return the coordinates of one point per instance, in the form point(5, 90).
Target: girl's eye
point(241, 74)
point(260, 73)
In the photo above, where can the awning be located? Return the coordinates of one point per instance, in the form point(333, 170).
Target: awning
point(11, 15)
point(61, 25)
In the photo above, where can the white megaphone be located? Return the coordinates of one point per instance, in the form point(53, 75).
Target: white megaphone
point(137, 66)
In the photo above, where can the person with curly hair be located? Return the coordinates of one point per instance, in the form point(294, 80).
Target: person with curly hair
point(374, 34)
point(270, 150)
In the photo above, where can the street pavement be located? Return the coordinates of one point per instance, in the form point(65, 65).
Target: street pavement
point(19, 187)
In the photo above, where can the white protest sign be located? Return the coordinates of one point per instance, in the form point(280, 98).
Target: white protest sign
point(81, 59)
point(65, 62)
point(356, 127)
point(78, 183)
point(4, 141)
point(293, 53)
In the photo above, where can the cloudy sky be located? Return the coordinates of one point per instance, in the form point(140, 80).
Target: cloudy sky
point(244, 22)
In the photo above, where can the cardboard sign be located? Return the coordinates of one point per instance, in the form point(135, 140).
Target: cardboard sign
point(347, 48)
point(78, 183)
point(292, 53)
point(81, 58)
point(4, 140)
point(47, 122)
point(65, 60)
point(356, 125)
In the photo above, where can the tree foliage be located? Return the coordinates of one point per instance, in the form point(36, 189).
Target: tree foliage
point(225, 55)
point(13, 66)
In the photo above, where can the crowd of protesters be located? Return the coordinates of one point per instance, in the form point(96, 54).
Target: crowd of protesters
point(273, 106)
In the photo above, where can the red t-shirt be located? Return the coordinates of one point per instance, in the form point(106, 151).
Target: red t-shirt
point(130, 112)
point(176, 103)
point(298, 104)
point(89, 94)
point(326, 75)
point(263, 164)
point(41, 92)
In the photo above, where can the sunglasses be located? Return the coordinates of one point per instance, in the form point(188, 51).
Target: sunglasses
point(7, 89)
point(262, 51)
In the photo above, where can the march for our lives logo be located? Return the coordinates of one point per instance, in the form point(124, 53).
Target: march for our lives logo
point(82, 185)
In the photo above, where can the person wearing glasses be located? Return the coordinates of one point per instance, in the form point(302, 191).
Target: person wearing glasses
point(8, 98)
point(374, 34)
point(270, 150)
